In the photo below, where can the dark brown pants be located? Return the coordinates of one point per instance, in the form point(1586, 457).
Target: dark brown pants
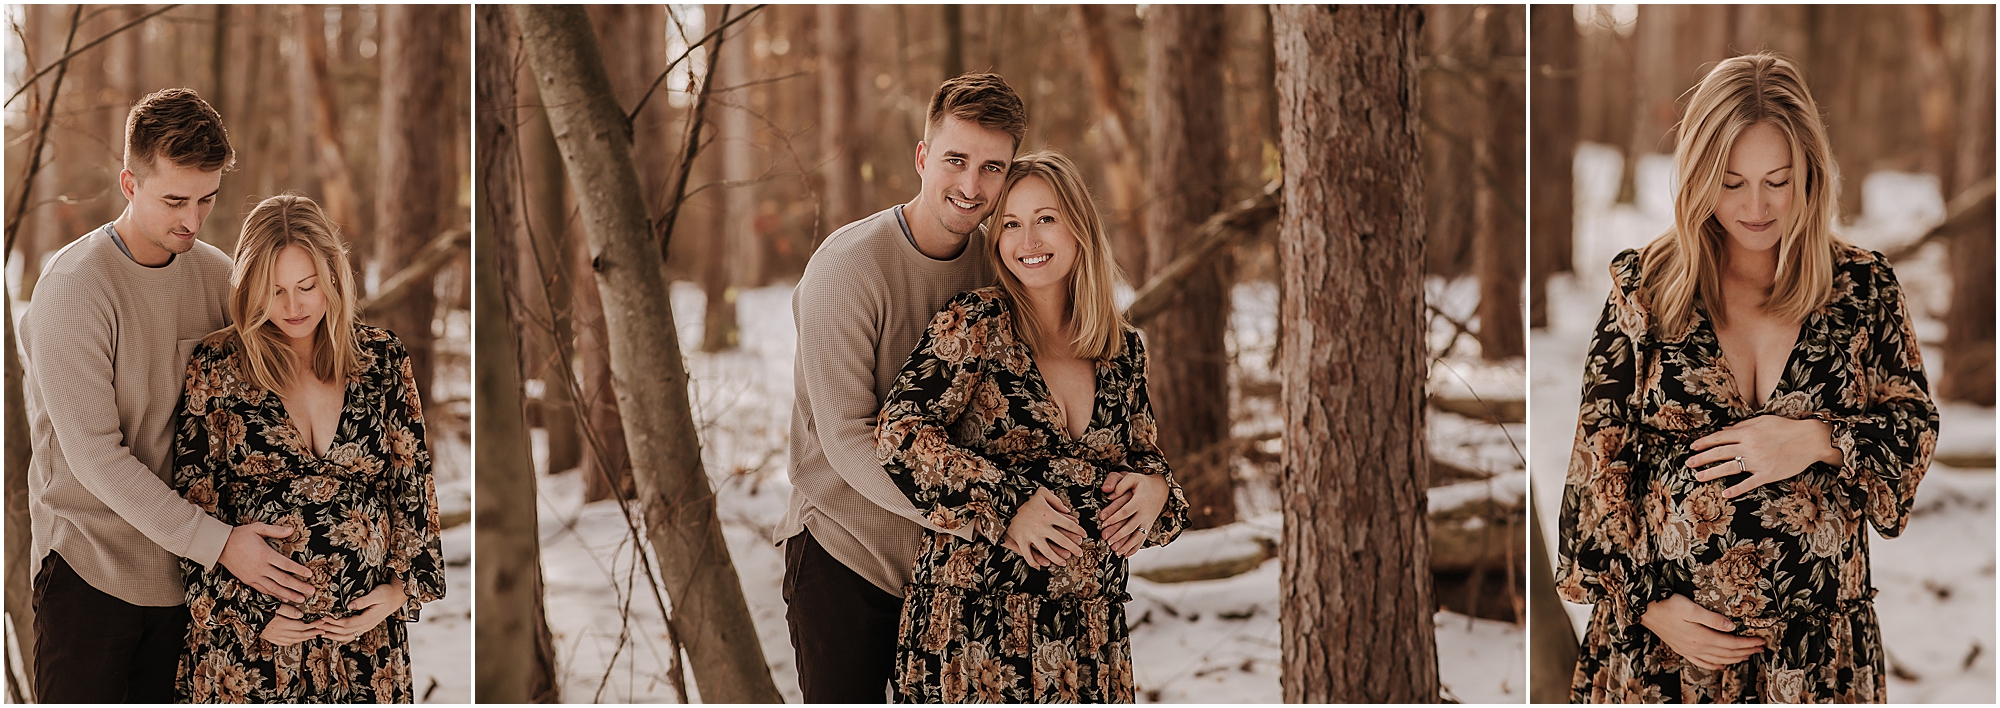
point(91, 647)
point(843, 627)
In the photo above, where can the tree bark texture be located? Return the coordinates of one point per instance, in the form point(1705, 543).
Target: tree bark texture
point(515, 648)
point(1189, 365)
point(1454, 121)
point(1357, 602)
point(415, 179)
point(20, 608)
point(1499, 251)
point(330, 160)
point(648, 375)
point(1122, 172)
point(1552, 152)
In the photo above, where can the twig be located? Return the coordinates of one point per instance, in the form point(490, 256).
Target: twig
point(685, 53)
point(34, 165)
point(1214, 234)
point(693, 137)
point(435, 255)
point(67, 52)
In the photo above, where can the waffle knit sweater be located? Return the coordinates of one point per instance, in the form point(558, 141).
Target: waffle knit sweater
point(866, 298)
point(107, 343)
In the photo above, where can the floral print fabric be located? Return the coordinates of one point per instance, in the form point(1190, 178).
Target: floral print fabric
point(969, 431)
point(1787, 561)
point(362, 515)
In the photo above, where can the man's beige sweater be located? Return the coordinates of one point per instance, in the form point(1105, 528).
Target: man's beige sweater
point(866, 298)
point(107, 343)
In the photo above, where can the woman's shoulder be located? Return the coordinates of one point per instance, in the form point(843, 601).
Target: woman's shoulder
point(1861, 275)
point(972, 307)
point(1628, 278)
point(379, 348)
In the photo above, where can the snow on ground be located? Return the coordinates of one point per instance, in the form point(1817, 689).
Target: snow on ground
point(1207, 641)
point(1936, 581)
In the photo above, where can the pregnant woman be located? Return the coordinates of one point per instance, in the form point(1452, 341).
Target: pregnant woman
point(1030, 397)
point(296, 415)
point(1753, 398)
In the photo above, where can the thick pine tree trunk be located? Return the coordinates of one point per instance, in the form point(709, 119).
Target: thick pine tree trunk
point(709, 614)
point(414, 173)
point(1499, 251)
point(1552, 147)
point(1189, 367)
point(521, 648)
point(1357, 602)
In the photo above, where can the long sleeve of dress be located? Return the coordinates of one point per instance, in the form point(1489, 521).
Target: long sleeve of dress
point(415, 556)
point(955, 488)
point(1143, 452)
point(1886, 450)
point(216, 600)
point(1604, 553)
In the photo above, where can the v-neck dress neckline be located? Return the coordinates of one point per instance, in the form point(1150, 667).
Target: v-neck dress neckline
point(304, 446)
point(1783, 385)
point(1041, 384)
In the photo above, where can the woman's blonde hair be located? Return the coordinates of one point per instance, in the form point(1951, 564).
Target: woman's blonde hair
point(276, 224)
point(1683, 266)
point(1099, 325)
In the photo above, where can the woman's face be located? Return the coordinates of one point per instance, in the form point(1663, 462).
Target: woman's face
point(1756, 201)
point(297, 303)
point(1035, 237)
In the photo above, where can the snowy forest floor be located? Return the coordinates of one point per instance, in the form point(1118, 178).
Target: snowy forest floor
point(1203, 642)
point(1936, 581)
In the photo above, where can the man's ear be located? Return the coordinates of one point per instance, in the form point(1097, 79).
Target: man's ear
point(923, 150)
point(128, 183)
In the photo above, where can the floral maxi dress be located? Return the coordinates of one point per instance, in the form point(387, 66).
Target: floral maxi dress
point(1788, 561)
point(969, 431)
point(361, 515)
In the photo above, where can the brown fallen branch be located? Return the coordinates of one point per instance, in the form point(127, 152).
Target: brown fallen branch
point(435, 255)
point(1971, 205)
point(1217, 233)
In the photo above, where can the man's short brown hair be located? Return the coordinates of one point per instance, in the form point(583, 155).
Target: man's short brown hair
point(981, 98)
point(177, 125)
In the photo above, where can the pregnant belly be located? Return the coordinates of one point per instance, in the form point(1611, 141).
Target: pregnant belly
point(340, 531)
point(1777, 551)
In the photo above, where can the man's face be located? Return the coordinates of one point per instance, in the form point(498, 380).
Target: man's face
point(963, 166)
point(168, 204)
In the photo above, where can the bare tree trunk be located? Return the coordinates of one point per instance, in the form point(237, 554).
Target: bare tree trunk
point(842, 142)
point(514, 635)
point(331, 161)
point(20, 608)
point(709, 614)
point(1968, 352)
point(1552, 648)
point(607, 464)
point(1189, 365)
point(1454, 115)
point(1356, 612)
point(1499, 250)
point(1553, 139)
point(414, 180)
point(954, 41)
point(1121, 158)
point(741, 246)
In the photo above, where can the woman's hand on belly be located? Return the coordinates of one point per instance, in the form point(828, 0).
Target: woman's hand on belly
point(371, 609)
point(1772, 448)
point(288, 627)
point(1136, 501)
point(1044, 530)
point(1697, 634)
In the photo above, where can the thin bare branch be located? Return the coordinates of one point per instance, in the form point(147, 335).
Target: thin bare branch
point(34, 165)
point(68, 53)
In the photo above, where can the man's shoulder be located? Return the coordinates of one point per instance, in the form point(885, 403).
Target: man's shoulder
point(208, 258)
point(86, 253)
point(865, 238)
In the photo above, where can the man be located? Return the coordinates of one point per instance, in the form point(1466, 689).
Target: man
point(107, 340)
point(867, 294)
